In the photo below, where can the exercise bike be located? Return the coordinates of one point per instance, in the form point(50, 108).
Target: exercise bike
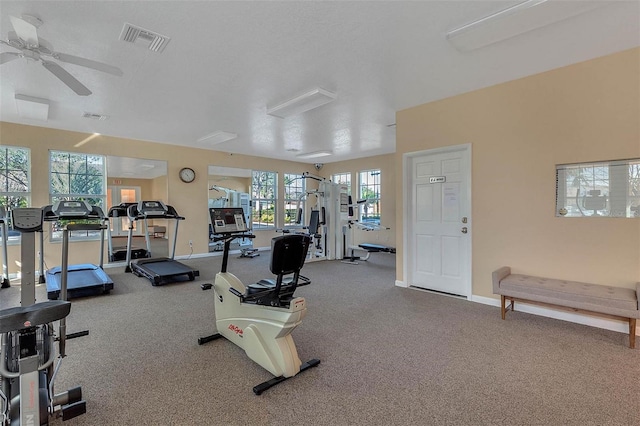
point(260, 317)
point(27, 351)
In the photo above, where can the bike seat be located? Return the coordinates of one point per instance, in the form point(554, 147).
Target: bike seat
point(20, 318)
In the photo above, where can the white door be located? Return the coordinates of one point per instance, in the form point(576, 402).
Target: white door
point(438, 241)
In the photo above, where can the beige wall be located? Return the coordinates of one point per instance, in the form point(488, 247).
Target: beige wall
point(189, 199)
point(519, 131)
point(234, 183)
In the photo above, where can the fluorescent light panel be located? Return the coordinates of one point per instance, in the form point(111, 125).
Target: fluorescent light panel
point(32, 108)
point(218, 137)
point(314, 154)
point(308, 101)
point(515, 20)
point(87, 139)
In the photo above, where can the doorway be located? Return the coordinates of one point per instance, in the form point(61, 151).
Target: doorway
point(437, 209)
point(122, 194)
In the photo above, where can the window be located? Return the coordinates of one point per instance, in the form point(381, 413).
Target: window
point(263, 193)
point(607, 188)
point(77, 177)
point(370, 191)
point(294, 204)
point(14, 182)
point(343, 179)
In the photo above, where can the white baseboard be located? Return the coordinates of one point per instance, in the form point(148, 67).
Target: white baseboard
point(579, 318)
point(401, 284)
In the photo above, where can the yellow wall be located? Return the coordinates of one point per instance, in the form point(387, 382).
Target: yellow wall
point(234, 183)
point(189, 199)
point(519, 131)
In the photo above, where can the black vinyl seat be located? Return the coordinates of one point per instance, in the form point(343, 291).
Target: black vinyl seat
point(288, 253)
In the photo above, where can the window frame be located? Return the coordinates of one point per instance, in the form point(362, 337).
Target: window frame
point(602, 189)
point(296, 198)
point(335, 178)
point(374, 179)
point(258, 199)
point(101, 198)
point(5, 194)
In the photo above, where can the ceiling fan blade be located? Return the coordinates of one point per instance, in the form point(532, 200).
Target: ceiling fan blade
point(8, 56)
point(99, 66)
point(67, 78)
point(26, 32)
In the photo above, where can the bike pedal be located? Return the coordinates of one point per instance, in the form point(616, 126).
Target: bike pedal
point(71, 411)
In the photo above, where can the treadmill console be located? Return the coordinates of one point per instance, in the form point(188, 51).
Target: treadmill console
point(228, 220)
point(152, 208)
point(27, 219)
point(67, 209)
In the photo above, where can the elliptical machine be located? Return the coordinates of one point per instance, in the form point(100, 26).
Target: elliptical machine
point(27, 349)
point(260, 317)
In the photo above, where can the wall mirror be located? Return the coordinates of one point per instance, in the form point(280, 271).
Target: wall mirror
point(598, 189)
point(229, 187)
point(130, 180)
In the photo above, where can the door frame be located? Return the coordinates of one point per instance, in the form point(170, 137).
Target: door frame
point(407, 190)
point(115, 200)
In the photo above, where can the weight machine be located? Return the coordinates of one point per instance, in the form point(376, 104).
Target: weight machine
point(324, 219)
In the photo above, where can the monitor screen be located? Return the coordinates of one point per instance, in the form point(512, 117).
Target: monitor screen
point(227, 220)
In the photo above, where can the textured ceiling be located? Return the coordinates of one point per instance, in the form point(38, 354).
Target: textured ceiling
point(228, 61)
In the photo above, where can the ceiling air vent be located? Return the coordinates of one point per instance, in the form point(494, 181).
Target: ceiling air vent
point(138, 35)
point(94, 116)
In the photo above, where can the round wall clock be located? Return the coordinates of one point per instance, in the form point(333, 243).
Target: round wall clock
point(187, 175)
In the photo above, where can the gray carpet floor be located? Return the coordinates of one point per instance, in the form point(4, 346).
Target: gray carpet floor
point(390, 356)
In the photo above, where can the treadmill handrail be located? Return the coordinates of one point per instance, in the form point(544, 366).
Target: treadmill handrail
point(134, 214)
point(51, 216)
point(120, 210)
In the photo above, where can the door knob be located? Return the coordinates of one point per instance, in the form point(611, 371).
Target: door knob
point(464, 230)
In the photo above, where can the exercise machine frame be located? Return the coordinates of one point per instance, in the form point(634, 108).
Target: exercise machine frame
point(86, 278)
point(115, 213)
point(259, 318)
point(159, 270)
point(27, 352)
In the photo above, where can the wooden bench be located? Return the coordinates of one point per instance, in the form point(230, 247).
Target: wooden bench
point(618, 302)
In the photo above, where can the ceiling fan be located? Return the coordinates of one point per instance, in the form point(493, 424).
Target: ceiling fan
point(25, 39)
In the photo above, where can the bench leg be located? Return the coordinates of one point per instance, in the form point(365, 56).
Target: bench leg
point(502, 306)
point(632, 333)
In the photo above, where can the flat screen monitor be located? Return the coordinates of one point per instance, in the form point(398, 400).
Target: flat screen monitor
point(227, 220)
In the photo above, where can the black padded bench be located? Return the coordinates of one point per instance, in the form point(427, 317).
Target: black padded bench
point(376, 248)
point(368, 248)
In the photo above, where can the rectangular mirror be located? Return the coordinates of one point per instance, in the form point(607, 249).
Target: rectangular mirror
point(598, 189)
point(130, 180)
point(230, 187)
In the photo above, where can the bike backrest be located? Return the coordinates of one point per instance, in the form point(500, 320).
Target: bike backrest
point(288, 253)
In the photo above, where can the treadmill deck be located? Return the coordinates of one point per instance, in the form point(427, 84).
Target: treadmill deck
point(83, 280)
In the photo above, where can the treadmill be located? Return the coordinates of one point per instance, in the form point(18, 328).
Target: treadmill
point(160, 270)
point(118, 253)
point(83, 279)
point(5, 257)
